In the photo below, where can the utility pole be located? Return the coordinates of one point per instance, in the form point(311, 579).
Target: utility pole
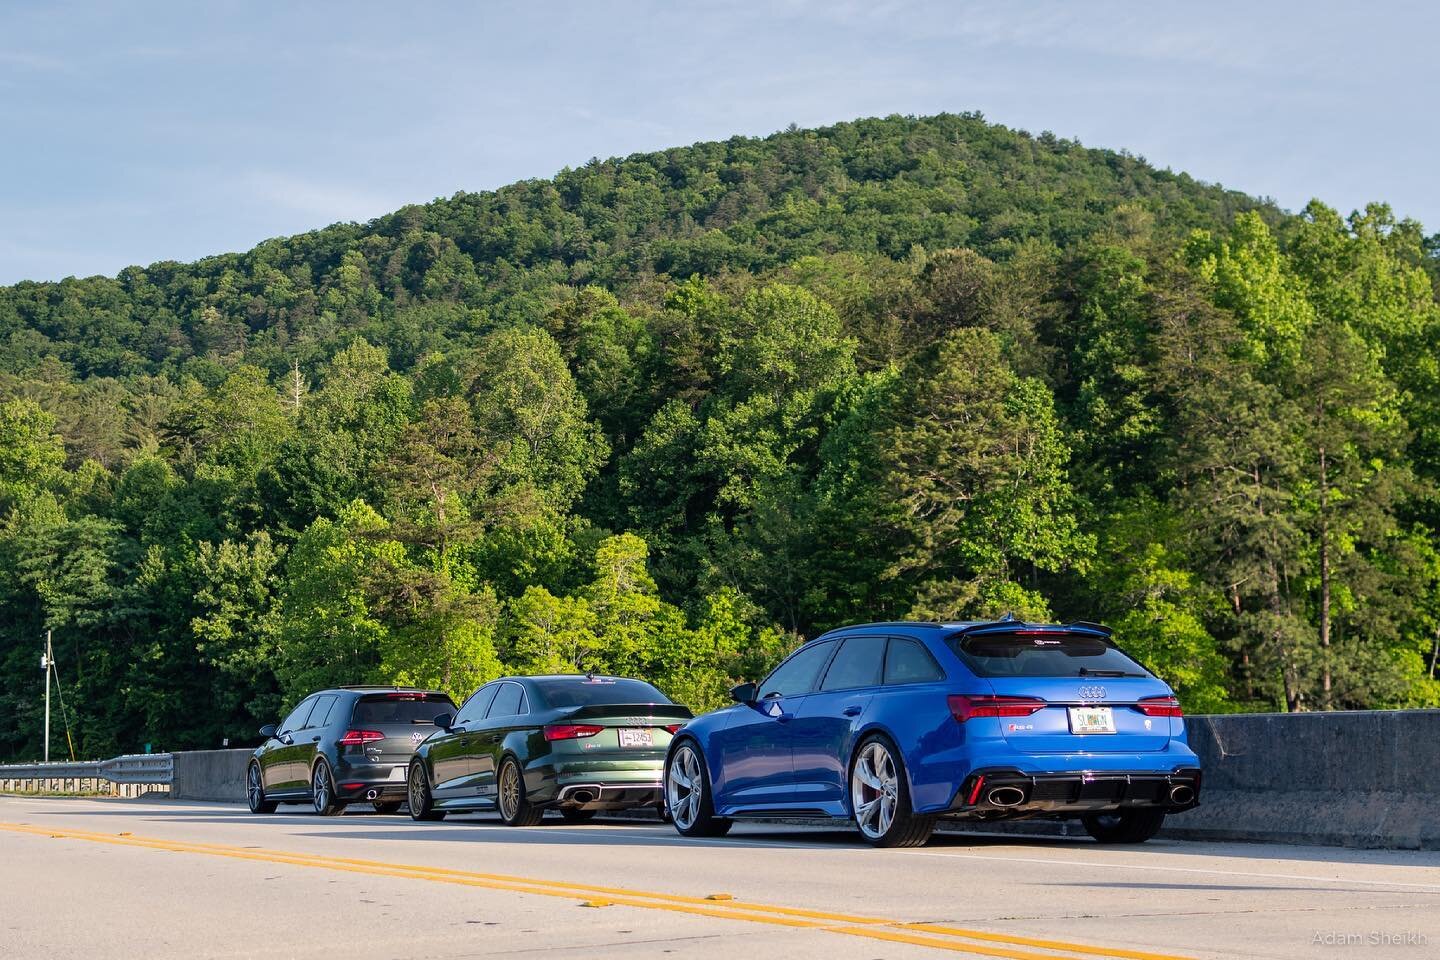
point(47, 660)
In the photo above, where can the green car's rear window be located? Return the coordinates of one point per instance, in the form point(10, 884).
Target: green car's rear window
point(584, 692)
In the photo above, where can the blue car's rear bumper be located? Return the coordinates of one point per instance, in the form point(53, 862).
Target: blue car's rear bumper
point(1058, 784)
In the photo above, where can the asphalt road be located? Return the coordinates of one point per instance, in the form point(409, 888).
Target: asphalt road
point(126, 878)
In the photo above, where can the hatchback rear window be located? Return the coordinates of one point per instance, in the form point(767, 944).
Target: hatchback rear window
point(583, 691)
point(1043, 654)
point(401, 708)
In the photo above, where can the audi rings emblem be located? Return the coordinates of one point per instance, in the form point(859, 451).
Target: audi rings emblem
point(1096, 692)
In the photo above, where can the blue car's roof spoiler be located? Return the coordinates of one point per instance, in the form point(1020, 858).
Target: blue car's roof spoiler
point(1012, 624)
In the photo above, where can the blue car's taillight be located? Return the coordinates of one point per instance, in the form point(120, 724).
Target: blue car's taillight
point(1160, 707)
point(966, 706)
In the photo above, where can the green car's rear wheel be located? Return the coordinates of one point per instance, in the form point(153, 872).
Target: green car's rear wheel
point(575, 815)
point(515, 808)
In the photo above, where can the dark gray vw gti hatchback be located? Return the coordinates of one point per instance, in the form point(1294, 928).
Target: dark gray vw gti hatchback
point(342, 746)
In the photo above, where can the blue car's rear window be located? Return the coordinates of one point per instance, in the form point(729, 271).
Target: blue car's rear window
point(584, 692)
point(1038, 653)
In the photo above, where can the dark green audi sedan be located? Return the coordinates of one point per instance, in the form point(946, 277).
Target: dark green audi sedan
point(524, 745)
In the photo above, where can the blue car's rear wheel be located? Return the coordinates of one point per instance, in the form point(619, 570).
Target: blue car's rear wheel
point(1128, 826)
point(880, 798)
point(687, 794)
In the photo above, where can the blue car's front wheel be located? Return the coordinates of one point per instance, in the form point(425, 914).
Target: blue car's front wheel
point(687, 794)
point(880, 798)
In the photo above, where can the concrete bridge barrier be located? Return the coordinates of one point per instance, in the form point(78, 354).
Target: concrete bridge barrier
point(1366, 778)
point(210, 775)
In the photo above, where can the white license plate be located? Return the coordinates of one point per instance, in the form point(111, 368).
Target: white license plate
point(1092, 720)
point(636, 738)
point(397, 774)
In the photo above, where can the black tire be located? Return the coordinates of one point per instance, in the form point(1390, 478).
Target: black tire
point(516, 810)
point(1127, 826)
point(691, 817)
point(421, 800)
point(877, 761)
point(255, 791)
point(322, 791)
point(387, 806)
point(575, 815)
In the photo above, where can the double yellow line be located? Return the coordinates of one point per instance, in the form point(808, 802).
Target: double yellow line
point(956, 939)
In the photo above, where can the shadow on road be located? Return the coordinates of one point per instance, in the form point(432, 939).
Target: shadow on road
point(362, 823)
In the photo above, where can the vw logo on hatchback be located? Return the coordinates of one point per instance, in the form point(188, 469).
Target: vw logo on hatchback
point(1095, 692)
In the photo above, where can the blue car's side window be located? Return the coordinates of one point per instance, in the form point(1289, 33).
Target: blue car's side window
point(907, 661)
point(858, 663)
point(799, 674)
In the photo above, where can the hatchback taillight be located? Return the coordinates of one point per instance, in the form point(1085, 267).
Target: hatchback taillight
point(966, 706)
point(1160, 707)
point(673, 727)
point(355, 738)
point(570, 731)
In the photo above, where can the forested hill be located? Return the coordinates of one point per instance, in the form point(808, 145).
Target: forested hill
point(667, 414)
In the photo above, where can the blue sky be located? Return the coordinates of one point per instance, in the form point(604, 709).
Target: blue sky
point(146, 131)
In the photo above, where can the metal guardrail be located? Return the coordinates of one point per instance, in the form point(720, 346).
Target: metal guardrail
point(136, 769)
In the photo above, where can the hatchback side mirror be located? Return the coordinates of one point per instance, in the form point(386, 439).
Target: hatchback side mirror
point(267, 731)
point(444, 721)
point(743, 693)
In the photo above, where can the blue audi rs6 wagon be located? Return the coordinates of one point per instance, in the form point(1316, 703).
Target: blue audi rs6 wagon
point(895, 725)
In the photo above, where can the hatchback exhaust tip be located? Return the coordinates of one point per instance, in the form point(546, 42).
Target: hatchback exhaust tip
point(582, 796)
point(371, 794)
point(1182, 793)
point(1006, 796)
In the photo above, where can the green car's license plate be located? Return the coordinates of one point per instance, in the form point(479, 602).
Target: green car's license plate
point(636, 738)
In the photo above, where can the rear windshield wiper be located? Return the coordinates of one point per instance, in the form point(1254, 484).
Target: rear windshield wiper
point(1087, 672)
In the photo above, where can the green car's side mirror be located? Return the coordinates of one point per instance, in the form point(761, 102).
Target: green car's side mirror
point(444, 720)
point(267, 731)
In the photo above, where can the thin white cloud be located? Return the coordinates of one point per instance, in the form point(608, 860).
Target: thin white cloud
point(324, 201)
point(36, 62)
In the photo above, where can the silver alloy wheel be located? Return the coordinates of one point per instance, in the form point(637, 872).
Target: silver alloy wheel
point(874, 790)
point(253, 793)
point(419, 788)
point(509, 791)
point(322, 788)
point(683, 787)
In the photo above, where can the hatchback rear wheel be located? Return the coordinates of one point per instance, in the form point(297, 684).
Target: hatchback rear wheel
point(880, 798)
point(322, 791)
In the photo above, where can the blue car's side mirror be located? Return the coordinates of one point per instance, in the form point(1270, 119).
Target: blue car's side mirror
point(444, 721)
point(267, 731)
point(743, 693)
